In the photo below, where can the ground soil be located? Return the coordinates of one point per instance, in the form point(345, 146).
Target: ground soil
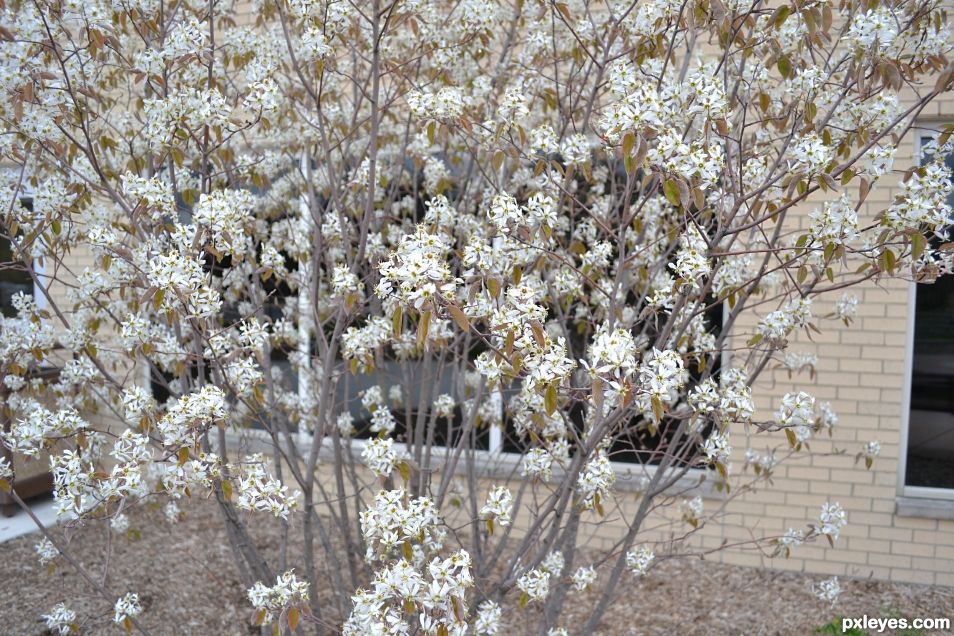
point(185, 576)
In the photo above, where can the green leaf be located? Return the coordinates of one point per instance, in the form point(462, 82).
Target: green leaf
point(671, 190)
point(918, 243)
point(785, 66)
point(459, 317)
point(405, 470)
point(537, 330)
point(657, 408)
point(396, 320)
point(629, 140)
point(550, 399)
point(498, 160)
point(781, 14)
point(422, 328)
point(493, 286)
point(790, 434)
point(642, 149)
point(889, 261)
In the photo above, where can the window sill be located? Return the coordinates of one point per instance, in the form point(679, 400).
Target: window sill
point(506, 466)
point(924, 508)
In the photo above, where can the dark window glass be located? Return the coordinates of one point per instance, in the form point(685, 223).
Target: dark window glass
point(410, 422)
point(14, 275)
point(638, 444)
point(634, 442)
point(930, 458)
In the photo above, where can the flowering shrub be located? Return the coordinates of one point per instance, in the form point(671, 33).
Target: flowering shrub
point(486, 220)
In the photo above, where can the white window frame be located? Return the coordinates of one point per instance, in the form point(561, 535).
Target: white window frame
point(497, 463)
point(903, 490)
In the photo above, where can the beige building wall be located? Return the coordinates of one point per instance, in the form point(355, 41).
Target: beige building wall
point(863, 371)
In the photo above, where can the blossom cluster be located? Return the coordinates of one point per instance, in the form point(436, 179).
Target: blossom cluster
point(257, 490)
point(499, 506)
point(417, 270)
point(270, 601)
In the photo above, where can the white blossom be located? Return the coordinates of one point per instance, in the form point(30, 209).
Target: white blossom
point(46, 551)
point(127, 607)
point(535, 584)
point(639, 559)
point(716, 447)
point(258, 490)
point(60, 620)
point(288, 591)
point(499, 506)
point(488, 619)
point(832, 519)
point(380, 456)
point(828, 590)
point(584, 577)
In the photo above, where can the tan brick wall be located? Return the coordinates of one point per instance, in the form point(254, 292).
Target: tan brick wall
point(861, 372)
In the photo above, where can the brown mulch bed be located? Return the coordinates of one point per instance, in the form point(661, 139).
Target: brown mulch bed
point(188, 585)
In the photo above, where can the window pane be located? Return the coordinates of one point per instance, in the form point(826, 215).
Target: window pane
point(13, 278)
point(930, 460)
point(931, 430)
point(930, 453)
